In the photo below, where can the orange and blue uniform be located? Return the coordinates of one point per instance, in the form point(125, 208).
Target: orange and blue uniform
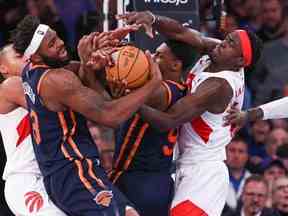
point(143, 160)
point(68, 157)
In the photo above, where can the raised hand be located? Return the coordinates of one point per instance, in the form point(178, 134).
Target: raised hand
point(144, 18)
point(153, 67)
point(121, 33)
point(101, 58)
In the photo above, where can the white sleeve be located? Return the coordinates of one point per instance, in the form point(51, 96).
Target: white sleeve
point(276, 109)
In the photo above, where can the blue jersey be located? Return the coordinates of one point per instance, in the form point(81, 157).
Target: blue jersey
point(140, 147)
point(68, 157)
point(58, 137)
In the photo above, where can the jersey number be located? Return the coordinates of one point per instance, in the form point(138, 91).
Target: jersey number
point(35, 127)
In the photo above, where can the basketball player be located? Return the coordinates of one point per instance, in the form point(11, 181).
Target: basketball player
point(215, 83)
point(143, 156)
point(276, 109)
point(24, 189)
point(58, 106)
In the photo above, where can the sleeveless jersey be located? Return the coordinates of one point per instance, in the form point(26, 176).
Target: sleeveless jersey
point(59, 138)
point(140, 147)
point(204, 138)
point(15, 130)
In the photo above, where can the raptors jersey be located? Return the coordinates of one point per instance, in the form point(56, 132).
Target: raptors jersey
point(15, 131)
point(204, 138)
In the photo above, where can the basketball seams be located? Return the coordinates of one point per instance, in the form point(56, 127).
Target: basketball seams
point(118, 63)
point(131, 67)
point(141, 75)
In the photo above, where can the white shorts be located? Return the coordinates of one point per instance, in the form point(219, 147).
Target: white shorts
point(25, 195)
point(200, 189)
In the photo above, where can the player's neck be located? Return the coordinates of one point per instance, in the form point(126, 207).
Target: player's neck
point(214, 68)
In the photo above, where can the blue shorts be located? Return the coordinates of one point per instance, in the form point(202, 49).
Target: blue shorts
point(151, 193)
point(83, 189)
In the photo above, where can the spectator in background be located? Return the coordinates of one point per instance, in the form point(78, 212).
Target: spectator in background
point(276, 138)
point(259, 132)
point(237, 157)
point(274, 170)
point(280, 196)
point(282, 154)
point(253, 19)
point(254, 196)
point(274, 20)
point(47, 13)
point(70, 11)
point(270, 78)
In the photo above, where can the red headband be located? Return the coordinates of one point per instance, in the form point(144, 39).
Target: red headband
point(246, 46)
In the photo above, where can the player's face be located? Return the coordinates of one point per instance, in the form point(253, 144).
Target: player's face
point(228, 52)
point(53, 51)
point(13, 62)
point(254, 197)
point(165, 59)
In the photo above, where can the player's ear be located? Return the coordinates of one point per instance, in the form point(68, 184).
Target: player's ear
point(4, 69)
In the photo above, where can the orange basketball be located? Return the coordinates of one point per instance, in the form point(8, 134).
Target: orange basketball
point(131, 64)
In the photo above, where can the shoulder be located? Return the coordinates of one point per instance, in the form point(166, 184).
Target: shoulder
point(59, 80)
point(11, 85)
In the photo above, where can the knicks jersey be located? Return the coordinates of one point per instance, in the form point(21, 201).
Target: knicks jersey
point(204, 138)
point(140, 147)
point(15, 131)
point(59, 138)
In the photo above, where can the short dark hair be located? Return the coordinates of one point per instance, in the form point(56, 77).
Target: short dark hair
point(256, 178)
point(183, 51)
point(257, 47)
point(23, 34)
point(2, 52)
point(274, 163)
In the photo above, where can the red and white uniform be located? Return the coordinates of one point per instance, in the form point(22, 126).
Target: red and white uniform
point(202, 178)
point(24, 189)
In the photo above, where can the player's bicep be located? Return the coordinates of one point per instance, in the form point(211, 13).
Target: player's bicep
point(160, 98)
point(65, 88)
point(213, 93)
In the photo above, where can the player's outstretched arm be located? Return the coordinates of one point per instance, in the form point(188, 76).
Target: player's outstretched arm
point(64, 87)
point(212, 95)
point(11, 95)
point(273, 110)
point(170, 28)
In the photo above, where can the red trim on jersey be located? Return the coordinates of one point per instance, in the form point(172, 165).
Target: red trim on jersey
point(23, 129)
point(187, 208)
point(201, 128)
point(189, 80)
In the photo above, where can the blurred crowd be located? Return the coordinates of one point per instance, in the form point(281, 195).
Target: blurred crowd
point(257, 157)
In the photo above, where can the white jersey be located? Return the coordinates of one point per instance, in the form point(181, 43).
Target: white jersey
point(15, 131)
point(204, 138)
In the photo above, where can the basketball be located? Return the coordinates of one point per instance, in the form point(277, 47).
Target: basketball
point(131, 64)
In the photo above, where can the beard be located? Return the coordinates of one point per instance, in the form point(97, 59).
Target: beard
point(55, 63)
